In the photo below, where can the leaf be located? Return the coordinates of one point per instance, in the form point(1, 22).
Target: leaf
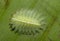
point(49, 8)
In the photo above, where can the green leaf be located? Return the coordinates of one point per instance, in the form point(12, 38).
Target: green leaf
point(49, 9)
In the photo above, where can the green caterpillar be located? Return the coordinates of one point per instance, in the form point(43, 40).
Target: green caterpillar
point(26, 22)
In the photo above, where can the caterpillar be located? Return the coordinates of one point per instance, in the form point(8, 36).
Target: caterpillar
point(26, 22)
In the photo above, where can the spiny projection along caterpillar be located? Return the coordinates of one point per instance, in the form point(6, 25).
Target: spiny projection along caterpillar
point(26, 22)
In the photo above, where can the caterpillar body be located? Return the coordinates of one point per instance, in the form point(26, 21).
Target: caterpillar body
point(26, 22)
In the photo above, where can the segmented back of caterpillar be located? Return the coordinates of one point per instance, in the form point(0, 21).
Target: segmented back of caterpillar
point(26, 22)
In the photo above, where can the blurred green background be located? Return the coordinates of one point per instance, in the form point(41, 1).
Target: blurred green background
point(49, 8)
